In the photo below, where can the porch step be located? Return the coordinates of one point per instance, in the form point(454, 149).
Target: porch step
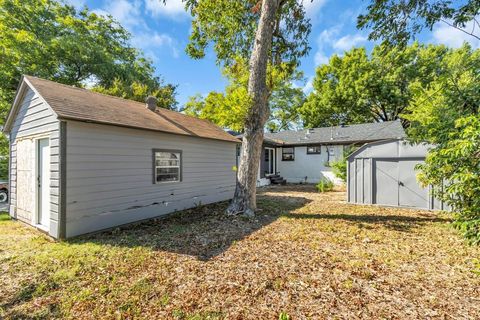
point(276, 179)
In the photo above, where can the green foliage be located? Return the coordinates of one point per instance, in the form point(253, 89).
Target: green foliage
point(229, 109)
point(284, 316)
point(446, 114)
point(339, 167)
point(231, 27)
point(399, 21)
point(51, 40)
point(325, 185)
point(138, 91)
point(4, 157)
point(358, 87)
point(453, 167)
point(48, 39)
point(285, 102)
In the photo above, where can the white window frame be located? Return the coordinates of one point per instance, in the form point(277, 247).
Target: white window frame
point(155, 167)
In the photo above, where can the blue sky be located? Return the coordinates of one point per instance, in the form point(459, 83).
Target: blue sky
point(162, 31)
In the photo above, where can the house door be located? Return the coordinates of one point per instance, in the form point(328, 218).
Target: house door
point(43, 182)
point(269, 161)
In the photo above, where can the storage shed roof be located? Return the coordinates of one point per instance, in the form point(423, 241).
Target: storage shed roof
point(74, 103)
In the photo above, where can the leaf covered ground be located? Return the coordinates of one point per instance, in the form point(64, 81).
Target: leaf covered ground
point(306, 255)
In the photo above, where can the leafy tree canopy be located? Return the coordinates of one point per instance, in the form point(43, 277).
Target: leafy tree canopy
point(272, 35)
point(52, 40)
point(358, 88)
point(446, 114)
point(231, 27)
point(396, 22)
point(229, 109)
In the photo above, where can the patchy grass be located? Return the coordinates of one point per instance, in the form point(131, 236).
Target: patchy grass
point(305, 255)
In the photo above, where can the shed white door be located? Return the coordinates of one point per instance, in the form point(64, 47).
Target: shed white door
point(410, 193)
point(26, 180)
point(43, 179)
point(386, 183)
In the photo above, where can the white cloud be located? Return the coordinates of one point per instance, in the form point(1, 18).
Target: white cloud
point(130, 15)
point(349, 41)
point(325, 39)
point(329, 40)
point(152, 41)
point(174, 9)
point(127, 13)
point(313, 7)
point(447, 35)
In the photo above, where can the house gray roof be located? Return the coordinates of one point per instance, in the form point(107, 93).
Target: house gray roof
point(366, 132)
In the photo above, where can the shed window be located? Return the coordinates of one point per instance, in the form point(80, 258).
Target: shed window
point(314, 149)
point(288, 154)
point(167, 166)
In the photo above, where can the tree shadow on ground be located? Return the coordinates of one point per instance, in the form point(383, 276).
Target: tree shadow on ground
point(394, 222)
point(203, 232)
point(206, 232)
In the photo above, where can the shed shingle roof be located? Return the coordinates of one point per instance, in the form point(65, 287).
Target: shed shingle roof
point(84, 105)
point(340, 134)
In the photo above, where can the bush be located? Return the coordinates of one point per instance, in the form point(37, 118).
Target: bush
point(325, 185)
point(452, 168)
point(339, 167)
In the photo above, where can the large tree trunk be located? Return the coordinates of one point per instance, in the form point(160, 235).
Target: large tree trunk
point(245, 200)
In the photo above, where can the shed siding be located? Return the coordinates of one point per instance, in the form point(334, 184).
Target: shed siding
point(34, 119)
point(311, 166)
point(384, 173)
point(109, 175)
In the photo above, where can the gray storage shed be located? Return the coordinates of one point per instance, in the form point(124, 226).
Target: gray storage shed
point(384, 173)
point(82, 161)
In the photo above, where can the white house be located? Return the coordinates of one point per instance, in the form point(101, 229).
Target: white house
point(305, 155)
point(82, 161)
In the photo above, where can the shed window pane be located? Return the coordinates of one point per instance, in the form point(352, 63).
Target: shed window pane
point(167, 166)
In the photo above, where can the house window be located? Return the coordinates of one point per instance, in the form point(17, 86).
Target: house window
point(167, 166)
point(288, 154)
point(314, 149)
point(267, 155)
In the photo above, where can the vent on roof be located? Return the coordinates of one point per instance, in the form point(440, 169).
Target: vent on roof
point(151, 103)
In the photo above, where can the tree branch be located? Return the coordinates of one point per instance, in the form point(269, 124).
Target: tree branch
point(458, 28)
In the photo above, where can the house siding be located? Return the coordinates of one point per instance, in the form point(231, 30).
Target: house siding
point(308, 168)
point(109, 175)
point(33, 120)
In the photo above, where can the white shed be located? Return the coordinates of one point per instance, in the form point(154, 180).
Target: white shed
point(384, 173)
point(82, 161)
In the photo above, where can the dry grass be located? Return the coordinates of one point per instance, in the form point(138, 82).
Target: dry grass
point(306, 255)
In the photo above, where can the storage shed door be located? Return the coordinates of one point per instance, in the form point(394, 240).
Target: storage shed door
point(26, 180)
point(411, 194)
point(386, 183)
